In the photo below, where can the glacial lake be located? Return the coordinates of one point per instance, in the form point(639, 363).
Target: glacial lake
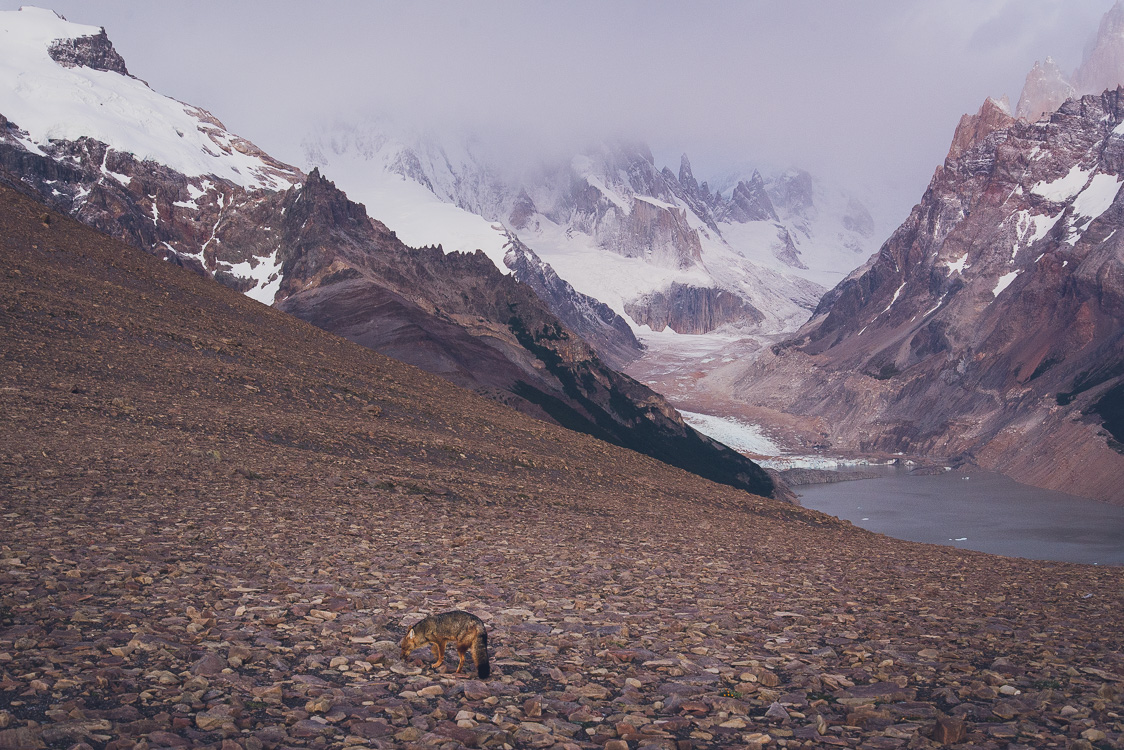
point(977, 510)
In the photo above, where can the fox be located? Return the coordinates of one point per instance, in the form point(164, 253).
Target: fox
point(462, 629)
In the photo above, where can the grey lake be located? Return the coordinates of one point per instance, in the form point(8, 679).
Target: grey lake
point(977, 510)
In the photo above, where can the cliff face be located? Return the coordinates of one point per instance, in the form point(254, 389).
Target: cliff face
point(690, 309)
point(992, 321)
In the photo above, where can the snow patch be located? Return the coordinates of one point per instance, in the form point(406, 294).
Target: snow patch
point(895, 299)
point(956, 266)
point(1063, 188)
point(1095, 199)
point(1004, 282)
point(266, 274)
point(1032, 228)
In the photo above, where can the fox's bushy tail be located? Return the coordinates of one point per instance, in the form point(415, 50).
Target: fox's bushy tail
point(480, 654)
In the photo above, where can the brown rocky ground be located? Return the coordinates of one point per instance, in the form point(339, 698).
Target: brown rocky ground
point(216, 521)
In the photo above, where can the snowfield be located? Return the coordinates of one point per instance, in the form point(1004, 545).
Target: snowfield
point(48, 101)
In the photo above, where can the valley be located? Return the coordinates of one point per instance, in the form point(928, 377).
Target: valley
point(216, 536)
point(258, 419)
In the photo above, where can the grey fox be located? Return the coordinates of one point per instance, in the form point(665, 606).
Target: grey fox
point(462, 629)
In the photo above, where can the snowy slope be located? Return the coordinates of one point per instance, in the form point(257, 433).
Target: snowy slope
point(377, 172)
point(607, 220)
point(48, 101)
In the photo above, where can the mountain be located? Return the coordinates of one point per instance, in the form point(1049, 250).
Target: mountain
point(991, 323)
point(100, 145)
point(660, 249)
point(1045, 89)
point(394, 181)
point(216, 533)
point(1102, 67)
point(91, 141)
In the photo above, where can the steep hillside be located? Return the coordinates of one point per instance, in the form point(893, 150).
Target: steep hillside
point(213, 202)
point(219, 520)
point(992, 321)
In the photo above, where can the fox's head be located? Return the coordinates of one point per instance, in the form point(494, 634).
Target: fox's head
point(408, 644)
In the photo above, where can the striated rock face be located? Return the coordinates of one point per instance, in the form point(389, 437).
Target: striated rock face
point(749, 202)
point(689, 309)
point(972, 129)
point(649, 231)
point(594, 321)
point(992, 321)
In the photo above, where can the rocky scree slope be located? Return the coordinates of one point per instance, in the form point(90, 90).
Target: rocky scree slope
point(263, 228)
point(991, 322)
point(214, 534)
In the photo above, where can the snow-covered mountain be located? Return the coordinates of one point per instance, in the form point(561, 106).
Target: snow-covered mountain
point(90, 141)
point(113, 146)
point(657, 247)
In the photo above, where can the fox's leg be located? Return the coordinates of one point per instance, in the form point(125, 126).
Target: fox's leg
point(439, 647)
point(460, 652)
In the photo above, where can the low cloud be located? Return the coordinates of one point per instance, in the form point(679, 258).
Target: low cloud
point(865, 93)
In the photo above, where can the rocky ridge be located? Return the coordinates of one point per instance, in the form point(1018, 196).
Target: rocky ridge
point(991, 323)
point(215, 534)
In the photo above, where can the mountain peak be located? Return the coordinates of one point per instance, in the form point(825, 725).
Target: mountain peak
point(1103, 64)
point(1045, 90)
point(61, 82)
point(993, 115)
point(686, 177)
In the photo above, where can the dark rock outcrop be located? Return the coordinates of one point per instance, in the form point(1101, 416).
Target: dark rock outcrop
point(95, 52)
point(692, 309)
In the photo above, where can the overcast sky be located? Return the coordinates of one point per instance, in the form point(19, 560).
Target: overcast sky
point(866, 92)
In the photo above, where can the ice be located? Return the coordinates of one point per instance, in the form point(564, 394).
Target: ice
point(741, 436)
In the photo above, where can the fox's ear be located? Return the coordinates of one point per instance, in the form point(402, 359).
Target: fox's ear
point(410, 634)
